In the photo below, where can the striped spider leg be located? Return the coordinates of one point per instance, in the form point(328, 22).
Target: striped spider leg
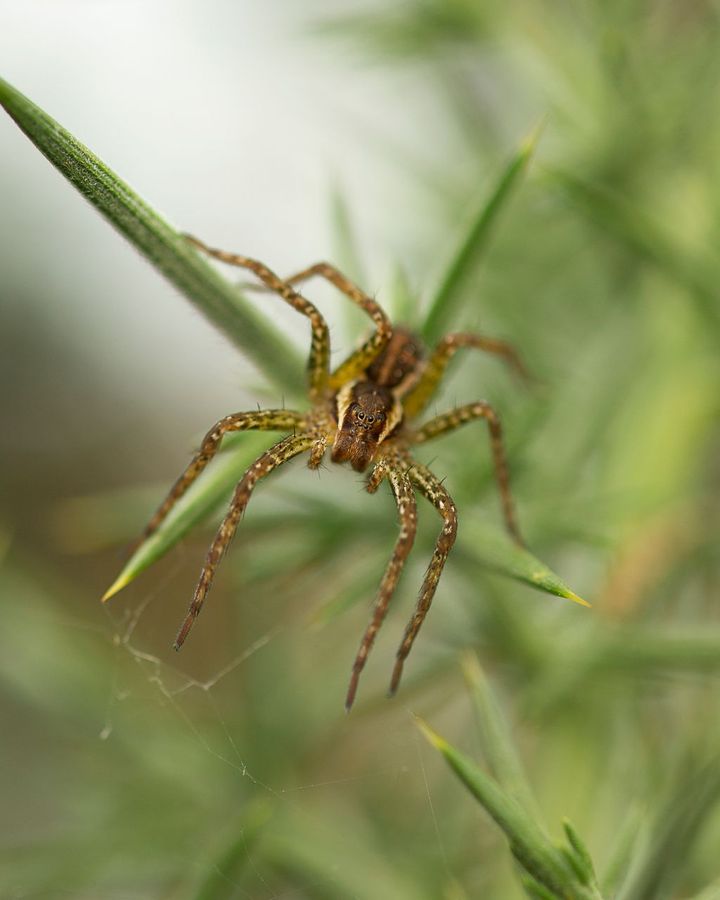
point(417, 399)
point(319, 361)
point(395, 469)
point(449, 421)
point(358, 361)
point(405, 474)
point(367, 353)
point(280, 453)
point(430, 486)
point(260, 420)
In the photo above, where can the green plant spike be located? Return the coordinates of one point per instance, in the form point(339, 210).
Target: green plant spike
point(347, 255)
point(497, 742)
point(678, 824)
point(201, 500)
point(578, 850)
point(448, 297)
point(627, 851)
point(535, 890)
point(491, 546)
point(545, 863)
point(163, 246)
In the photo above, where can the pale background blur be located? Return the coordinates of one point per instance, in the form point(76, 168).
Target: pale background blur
point(236, 124)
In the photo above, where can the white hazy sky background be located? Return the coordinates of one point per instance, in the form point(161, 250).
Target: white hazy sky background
point(234, 121)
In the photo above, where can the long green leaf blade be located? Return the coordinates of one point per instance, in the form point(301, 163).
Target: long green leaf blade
point(163, 245)
point(448, 296)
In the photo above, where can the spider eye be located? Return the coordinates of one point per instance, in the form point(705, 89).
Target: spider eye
point(371, 418)
point(360, 415)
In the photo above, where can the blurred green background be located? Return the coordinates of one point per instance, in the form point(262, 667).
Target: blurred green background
point(367, 136)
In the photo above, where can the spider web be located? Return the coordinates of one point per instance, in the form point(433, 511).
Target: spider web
point(193, 702)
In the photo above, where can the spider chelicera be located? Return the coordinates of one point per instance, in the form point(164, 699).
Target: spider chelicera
point(364, 411)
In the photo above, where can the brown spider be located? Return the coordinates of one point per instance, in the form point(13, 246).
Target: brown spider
point(363, 411)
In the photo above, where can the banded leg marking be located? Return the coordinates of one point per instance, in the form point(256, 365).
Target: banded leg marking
point(419, 396)
point(317, 451)
point(359, 298)
point(358, 361)
point(280, 453)
point(457, 417)
point(431, 488)
point(319, 361)
point(262, 420)
point(407, 512)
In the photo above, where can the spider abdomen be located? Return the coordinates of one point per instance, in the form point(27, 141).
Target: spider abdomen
point(399, 361)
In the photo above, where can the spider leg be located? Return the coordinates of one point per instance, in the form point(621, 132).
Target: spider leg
point(407, 511)
point(419, 396)
point(457, 417)
point(262, 420)
point(362, 358)
point(317, 451)
point(280, 453)
point(372, 348)
point(431, 488)
point(319, 362)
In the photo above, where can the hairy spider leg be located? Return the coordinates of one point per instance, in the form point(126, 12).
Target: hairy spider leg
point(375, 343)
point(358, 361)
point(402, 490)
point(431, 488)
point(319, 361)
point(260, 420)
point(480, 410)
point(278, 454)
point(317, 451)
point(419, 396)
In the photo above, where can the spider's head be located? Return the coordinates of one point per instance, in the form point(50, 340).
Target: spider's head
point(366, 416)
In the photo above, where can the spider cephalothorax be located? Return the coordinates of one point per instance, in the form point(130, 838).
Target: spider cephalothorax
point(364, 411)
point(367, 414)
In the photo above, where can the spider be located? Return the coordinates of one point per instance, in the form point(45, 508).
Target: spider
point(364, 412)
